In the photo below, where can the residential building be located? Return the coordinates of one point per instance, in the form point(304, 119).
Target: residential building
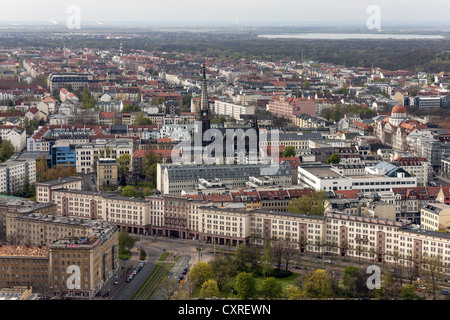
point(44, 189)
point(16, 174)
point(435, 217)
point(107, 172)
point(232, 110)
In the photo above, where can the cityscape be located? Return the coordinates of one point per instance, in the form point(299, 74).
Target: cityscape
point(199, 162)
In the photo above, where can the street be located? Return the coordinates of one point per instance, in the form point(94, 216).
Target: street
point(154, 247)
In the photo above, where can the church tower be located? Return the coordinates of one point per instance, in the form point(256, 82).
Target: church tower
point(203, 115)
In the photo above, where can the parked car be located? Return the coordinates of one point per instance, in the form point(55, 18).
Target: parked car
point(185, 270)
point(116, 279)
point(445, 291)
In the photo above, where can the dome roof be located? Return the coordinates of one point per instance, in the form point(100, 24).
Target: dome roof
point(399, 109)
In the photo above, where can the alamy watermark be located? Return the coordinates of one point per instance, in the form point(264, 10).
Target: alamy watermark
point(73, 281)
point(373, 22)
point(374, 280)
point(73, 21)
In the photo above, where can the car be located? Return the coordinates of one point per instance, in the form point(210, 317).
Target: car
point(180, 277)
point(130, 277)
point(116, 279)
point(327, 261)
point(185, 270)
point(106, 294)
point(445, 291)
point(142, 264)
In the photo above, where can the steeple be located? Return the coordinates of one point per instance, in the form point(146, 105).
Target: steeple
point(204, 105)
point(204, 98)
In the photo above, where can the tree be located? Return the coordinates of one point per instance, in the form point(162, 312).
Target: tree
point(146, 191)
point(317, 285)
point(289, 151)
point(293, 292)
point(312, 204)
point(125, 240)
point(129, 191)
point(141, 119)
point(56, 172)
point(201, 272)
point(334, 159)
point(6, 150)
point(124, 166)
point(408, 292)
point(224, 267)
point(432, 272)
point(271, 288)
point(245, 285)
point(87, 100)
point(354, 281)
point(129, 108)
point(168, 287)
point(246, 255)
point(149, 164)
point(267, 259)
point(209, 289)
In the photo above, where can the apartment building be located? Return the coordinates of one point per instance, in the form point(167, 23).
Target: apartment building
point(95, 257)
point(221, 225)
point(86, 154)
point(16, 173)
point(52, 245)
point(435, 216)
point(16, 135)
point(232, 110)
point(304, 232)
point(107, 172)
point(417, 166)
point(290, 108)
point(130, 213)
point(44, 189)
point(361, 237)
point(298, 141)
point(24, 265)
point(57, 81)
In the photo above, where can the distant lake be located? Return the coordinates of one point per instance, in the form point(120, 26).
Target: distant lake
point(345, 36)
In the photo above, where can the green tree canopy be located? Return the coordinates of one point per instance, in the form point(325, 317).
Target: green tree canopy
point(125, 240)
point(6, 150)
point(129, 191)
point(289, 151)
point(317, 284)
point(141, 119)
point(313, 204)
point(200, 273)
point(245, 285)
point(209, 289)
point(224, 267)
point(271, 288)
point(334, 159)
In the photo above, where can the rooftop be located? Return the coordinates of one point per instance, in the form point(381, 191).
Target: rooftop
point(23, 251)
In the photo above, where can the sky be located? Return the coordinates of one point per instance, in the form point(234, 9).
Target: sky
point(225, 11)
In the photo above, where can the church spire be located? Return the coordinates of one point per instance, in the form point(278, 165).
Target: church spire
point(203, 110)
point(204, 98)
